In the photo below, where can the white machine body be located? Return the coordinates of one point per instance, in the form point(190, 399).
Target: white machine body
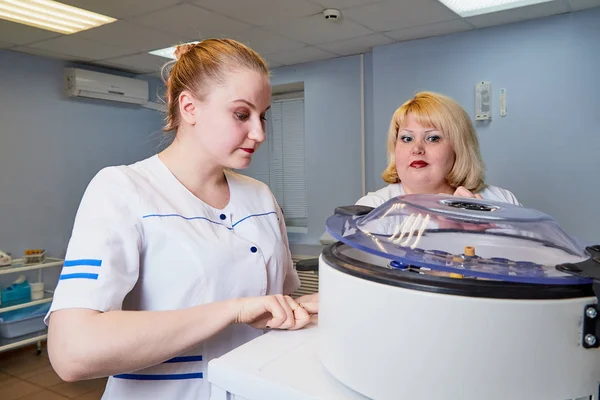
point(388, 342)
point(436, 297)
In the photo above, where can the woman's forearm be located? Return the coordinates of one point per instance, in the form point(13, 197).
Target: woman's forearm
point(86, 344)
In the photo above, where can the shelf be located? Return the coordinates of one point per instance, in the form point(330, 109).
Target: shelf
point(8, 344)
point(19, 266)
point(47, 299)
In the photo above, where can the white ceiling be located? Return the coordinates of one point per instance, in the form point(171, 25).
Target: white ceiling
point(285, 32)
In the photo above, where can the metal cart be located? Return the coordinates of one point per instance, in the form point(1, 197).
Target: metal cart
point(19, 266)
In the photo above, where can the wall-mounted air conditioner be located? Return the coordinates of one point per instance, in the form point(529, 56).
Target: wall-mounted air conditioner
point(96, 85)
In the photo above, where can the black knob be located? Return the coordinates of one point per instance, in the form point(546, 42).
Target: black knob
point(568, 268)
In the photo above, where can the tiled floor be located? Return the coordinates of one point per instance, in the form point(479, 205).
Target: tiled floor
point(24, 375)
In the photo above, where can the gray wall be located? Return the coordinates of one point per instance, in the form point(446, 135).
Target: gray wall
point(332, 132)
point(51, 147)
point(547, 149)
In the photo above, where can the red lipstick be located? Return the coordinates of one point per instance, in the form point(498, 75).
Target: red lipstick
point(418, 164)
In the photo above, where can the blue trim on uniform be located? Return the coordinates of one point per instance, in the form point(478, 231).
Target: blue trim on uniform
point(183, 359)
point(83, 262)
point(253, 215)
point(209, 220)
point(181, 216)
point(162, 377)
point(63, 277)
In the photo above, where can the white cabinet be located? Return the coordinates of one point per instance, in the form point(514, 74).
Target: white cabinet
point(19, 266)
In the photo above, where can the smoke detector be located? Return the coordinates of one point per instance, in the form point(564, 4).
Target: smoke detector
point(332, 14)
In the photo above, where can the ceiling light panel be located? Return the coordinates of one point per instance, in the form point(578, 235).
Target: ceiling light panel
point(168, 52)
point(51, 15)
point(469, 8)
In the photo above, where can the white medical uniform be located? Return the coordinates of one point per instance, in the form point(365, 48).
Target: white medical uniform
point(142, 241)
point(377, 198)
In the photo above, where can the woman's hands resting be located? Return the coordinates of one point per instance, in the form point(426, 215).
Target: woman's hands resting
point(277, 311)
point(464, 192)
point(147, 336)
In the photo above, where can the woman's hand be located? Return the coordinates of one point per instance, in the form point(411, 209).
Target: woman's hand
point(146, 336)
point(464, 192)
point(274, 312)
point(309, 302)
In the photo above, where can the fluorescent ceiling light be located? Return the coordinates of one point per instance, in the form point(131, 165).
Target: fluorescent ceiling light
point(169, 52)
point(469, 8)
point(51, 15)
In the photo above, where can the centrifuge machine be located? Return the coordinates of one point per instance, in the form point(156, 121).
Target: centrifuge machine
point(436, 297)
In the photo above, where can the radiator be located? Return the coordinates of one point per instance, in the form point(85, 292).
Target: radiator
point(309, 280)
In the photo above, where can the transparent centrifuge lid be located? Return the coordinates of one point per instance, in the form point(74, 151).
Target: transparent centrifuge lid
point(471, 237)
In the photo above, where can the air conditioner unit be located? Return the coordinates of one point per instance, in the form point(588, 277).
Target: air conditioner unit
point(96, 85)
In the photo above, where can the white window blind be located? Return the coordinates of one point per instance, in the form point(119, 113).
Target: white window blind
point(287, 158)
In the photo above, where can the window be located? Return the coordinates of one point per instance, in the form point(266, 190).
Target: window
point(287, 158)
point(281, 161)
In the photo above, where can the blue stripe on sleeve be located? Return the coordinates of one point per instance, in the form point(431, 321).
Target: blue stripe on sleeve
point(83, 263)
point(163, 377)
point(183, 359)
point(78, 276)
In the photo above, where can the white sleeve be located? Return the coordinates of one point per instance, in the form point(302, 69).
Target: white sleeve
point(511, 198)
point(370, 200)
point(504, 195)
point(291, 282)
point(102, 260)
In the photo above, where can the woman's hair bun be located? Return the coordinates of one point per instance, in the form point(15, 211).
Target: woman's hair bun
point(181, 49)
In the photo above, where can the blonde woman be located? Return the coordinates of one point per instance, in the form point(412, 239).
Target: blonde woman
point(432, 148)
point(176, 259)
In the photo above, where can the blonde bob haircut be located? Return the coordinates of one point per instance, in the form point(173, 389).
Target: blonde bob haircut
point(447, 116)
